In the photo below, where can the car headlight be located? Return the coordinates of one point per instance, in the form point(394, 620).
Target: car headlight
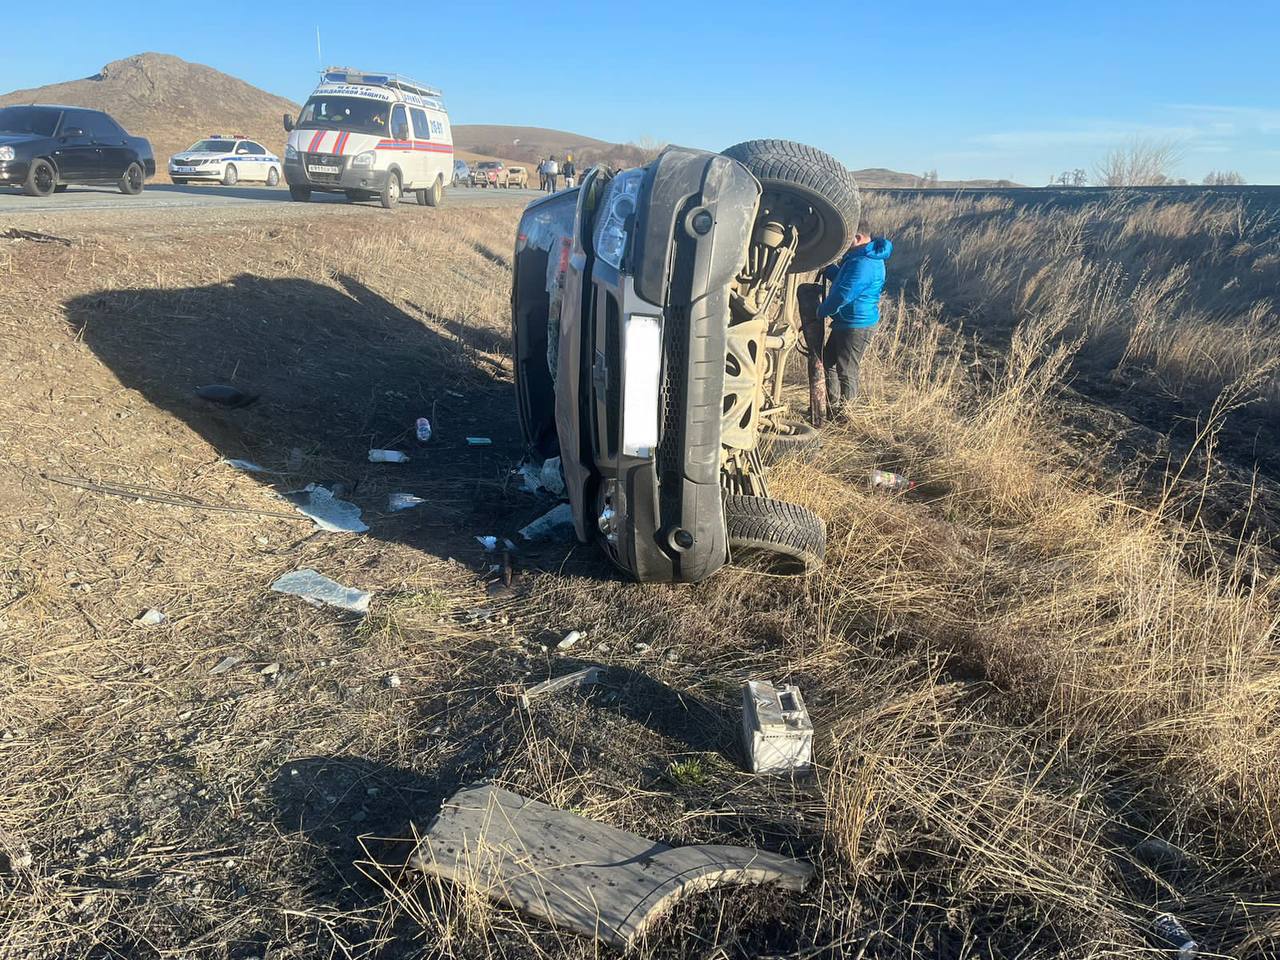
point(619, 210)
point(289, 152)
point(363, 159)
point(6, 153)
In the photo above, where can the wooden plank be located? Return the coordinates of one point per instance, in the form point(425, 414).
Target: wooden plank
point(576, 873)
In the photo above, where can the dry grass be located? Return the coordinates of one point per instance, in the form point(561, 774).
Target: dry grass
point(1046, 694)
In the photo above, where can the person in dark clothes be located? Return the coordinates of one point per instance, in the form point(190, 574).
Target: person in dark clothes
point(853, 305)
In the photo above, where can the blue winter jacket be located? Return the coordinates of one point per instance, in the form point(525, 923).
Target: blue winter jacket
point(857, 280)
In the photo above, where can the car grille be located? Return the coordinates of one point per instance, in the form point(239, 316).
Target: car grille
point(324, 160)
point(675, 340)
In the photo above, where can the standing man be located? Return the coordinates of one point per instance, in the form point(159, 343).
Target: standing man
point(857, 280)
point(570, 173)
point(553, 171)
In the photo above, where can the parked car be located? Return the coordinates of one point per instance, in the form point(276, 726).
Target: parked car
point(225, 160)
point(461, 174)
point(652, 316)
point(43, 148)
point(517, 177)
point(489, 173)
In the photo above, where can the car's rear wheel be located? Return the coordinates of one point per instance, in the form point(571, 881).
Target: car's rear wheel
point(273, 177)
point(391, 192)
point(41, 180)
point(432, 196)
point(230, 176)
point(784, 537)
point(795, 440)
point(808, 188)
point(301, 194)
point(132, 180)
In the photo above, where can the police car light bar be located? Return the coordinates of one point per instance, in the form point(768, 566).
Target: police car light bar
point(393, 81)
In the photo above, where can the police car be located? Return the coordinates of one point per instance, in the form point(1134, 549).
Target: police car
point(227, 160)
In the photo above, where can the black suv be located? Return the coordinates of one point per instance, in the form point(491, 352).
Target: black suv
point(653, 312)
point(44, 148)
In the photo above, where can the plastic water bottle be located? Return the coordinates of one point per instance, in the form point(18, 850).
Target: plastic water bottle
point(891, 482)
point(1170, 929)
point(422, 429)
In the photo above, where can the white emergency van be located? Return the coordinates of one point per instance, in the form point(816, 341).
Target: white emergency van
point(370, 135)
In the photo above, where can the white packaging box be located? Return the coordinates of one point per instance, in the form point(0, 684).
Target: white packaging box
point(777, 732)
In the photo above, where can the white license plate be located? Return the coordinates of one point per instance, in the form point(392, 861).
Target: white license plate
point(184, 169)
point(324, 169)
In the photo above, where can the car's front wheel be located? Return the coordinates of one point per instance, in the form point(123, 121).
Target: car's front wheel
point(785, 537)
point(273, 177)
point(230, 176)
point(301, 194)
point(41, 180)
point(391, 192)
point(132, 180)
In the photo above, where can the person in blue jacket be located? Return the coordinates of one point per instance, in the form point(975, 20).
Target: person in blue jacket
point(857, 279)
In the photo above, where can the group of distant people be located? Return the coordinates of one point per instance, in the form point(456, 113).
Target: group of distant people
point(551, 170)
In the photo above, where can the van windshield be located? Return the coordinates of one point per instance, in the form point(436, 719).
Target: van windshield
point(345, 113)
point(41, 121)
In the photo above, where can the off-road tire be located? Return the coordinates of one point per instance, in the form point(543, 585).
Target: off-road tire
point(802, 443)
point(273, 177)
point(792, 539)
point(41, 180)
point(433, 196)
point(390, 195)
point(132, 180)
point(230, 176)
point(301, 194)
point(816, 179)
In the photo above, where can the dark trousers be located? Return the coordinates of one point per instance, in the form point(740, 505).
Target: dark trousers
point(842, 355)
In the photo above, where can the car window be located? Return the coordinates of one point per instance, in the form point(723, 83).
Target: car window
point(40, 121)
point(107, 127)
point(256, 149)
point(399, 123)
point(421, 125)
point(210, 146)
point(84, 120)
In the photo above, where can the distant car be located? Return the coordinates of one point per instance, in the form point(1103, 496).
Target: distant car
point(517, 177)
point(226, 160)
point(489, 173)
point(44, 147)
point(461, 174)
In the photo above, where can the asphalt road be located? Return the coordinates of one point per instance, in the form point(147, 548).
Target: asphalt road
point(159, 196)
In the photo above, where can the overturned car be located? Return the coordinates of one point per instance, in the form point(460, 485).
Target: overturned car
point(653, 314)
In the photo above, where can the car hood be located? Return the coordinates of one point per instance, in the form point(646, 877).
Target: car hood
point(197, 155)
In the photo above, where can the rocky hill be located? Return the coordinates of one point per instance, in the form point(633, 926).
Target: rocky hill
point(171, 102)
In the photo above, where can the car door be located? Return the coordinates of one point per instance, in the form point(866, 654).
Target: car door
point(114, 154)
point(74, 153)
point(401, 134)
point(245, 163)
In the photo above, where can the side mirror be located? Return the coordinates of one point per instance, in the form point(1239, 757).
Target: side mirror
point(288, 123)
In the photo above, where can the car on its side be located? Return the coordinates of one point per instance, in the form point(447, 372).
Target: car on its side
point(518, 177)
point(225, 160)
point(461, 173)
point(46, 147)
point(489, 173)
point(653, 312)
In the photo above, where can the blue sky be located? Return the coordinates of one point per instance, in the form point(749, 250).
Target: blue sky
point(1016, 90)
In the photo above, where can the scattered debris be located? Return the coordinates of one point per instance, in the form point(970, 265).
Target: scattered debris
point(270, 670)
point(570, 638)
point(479, 441)
point(13, 233)
point(777, 731)
point(328, 512)
point(422, 429)
point(248, 466)
point(318, 589)
point(491, 543)
point(1170, 929)
point(551, 478)
point(579, 678)
point(225, 665)
point(890, 482)
point(555, 524)
point(150, 618)
point(226, 395)
point(391, 680)
point(403, 501)
point(295, 459)
point(607, 883)
point(387, 456)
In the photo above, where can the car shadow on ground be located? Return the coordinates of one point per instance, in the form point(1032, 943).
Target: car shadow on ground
point(339, 370)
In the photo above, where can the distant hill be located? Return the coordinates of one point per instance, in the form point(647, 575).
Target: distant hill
point(880, 177)
point(528, 144)
point(171, 102)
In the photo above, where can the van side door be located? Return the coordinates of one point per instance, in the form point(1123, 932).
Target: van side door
point(427, 169)
point(403, 151)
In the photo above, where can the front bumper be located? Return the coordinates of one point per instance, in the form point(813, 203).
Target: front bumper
point(13, 171)
point(198, 173)
point(349, 177)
